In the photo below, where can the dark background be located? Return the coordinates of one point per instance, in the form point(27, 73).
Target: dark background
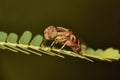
point(97, 22)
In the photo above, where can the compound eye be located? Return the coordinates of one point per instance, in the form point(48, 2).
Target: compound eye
point(73, 38)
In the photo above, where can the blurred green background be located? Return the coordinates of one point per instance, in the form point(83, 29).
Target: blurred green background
point(97, 22)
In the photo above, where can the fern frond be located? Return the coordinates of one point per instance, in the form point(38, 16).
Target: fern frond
point(26, 44)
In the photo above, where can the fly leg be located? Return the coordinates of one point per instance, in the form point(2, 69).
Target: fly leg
point(62, 47)
point(43, 44)
point(52, 44)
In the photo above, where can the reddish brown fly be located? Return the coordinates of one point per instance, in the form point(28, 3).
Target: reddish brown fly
point(63, 36)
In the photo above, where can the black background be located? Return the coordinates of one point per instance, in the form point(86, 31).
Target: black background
point(97, 22)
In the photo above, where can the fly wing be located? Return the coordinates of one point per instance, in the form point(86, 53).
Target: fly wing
point(62, 29)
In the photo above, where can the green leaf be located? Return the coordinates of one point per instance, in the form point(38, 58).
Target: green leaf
point(3, 36)
point(36, 41)
point(25, 38)
point(12, 38)
point(111, 53)
point(28, 45)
